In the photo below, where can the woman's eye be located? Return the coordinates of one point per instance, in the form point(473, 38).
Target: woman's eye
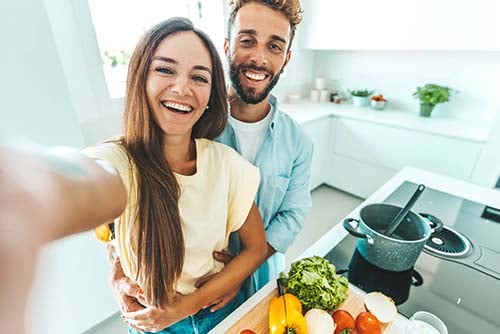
point(164, 70)
point(200, 78)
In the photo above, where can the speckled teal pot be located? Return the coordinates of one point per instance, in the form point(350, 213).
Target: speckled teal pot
point(400, 251)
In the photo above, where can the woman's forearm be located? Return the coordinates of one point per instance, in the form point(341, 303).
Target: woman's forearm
point(253, 254)
point(57, 192)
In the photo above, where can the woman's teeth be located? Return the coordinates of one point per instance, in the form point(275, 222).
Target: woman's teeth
point(177, 107)
point(254, 76)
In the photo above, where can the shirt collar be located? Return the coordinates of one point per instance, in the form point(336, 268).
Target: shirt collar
point(273, 102)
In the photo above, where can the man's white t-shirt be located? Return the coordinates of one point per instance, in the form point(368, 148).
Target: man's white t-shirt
point(250, 136)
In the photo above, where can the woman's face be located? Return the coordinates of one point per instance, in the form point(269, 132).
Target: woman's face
point(179, 82)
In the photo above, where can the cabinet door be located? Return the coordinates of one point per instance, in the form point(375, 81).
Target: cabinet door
point(319, 131)
point(395, 148)
point(401, 25)
point(357, 177)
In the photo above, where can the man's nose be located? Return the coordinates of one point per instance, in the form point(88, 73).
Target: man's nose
point(181, 86)
point(258, 56)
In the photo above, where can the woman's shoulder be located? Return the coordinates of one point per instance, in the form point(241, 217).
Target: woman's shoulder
point(215, 153)
point(218, 150)
point(111, 151)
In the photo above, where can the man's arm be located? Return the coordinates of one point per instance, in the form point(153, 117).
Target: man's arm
point(127, 292)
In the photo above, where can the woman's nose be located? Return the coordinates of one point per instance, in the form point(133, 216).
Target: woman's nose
point(181, 86)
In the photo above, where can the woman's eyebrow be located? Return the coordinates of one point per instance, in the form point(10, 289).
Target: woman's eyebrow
point(175, 62)
point(166, 59)
point(202, 68)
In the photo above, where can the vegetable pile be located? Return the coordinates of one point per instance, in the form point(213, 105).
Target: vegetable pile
point(314, 281)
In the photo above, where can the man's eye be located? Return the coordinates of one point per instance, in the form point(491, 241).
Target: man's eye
point(200, 78)
point(246, 41)
point(275, 47)
point(164, 70)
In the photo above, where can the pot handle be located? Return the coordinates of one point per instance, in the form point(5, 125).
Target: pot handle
point(353, 228)
point(435, 223)
point(416, 278)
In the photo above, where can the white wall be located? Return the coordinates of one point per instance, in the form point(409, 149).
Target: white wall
point(34, 101)
point(298, 75)
point(396, 74)
point(71, 291)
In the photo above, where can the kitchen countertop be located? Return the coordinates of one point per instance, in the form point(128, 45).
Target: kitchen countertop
point(330, 239)
point(304, 111)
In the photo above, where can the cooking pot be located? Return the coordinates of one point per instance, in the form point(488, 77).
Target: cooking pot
point(400, 251)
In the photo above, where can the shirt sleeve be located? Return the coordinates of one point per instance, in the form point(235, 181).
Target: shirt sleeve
point(110, 153)
point(243, 185)
point(291, 216)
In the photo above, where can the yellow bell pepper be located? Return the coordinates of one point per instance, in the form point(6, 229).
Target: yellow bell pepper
point(293, 318)
point(103, 233)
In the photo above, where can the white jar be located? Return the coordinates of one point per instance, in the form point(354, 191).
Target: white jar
point(324, 94)
point(320, 83)
point(314, 95)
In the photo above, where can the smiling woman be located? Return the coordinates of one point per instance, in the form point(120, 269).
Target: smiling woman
point(178, 195)
point(175, 104)
point(179, 82)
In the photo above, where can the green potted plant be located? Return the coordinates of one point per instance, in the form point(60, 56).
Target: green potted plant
point(429, 96)
point(360, 97)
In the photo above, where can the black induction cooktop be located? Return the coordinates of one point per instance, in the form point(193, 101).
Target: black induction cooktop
point(461, 285)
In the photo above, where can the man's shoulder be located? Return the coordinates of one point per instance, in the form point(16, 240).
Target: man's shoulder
point(290, 128)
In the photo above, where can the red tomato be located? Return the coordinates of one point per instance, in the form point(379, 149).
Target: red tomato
point(247, 331)
point(344, 322)
point(367, 323)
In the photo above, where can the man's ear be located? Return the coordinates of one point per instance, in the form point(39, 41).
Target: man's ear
point(226, 47)
point(288, 56)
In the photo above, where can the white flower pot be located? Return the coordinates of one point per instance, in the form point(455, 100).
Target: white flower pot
point(360, 101)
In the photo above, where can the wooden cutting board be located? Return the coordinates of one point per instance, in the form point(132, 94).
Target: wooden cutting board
point(257, 318)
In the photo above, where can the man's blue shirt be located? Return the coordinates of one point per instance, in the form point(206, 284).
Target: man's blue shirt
point(284, 160)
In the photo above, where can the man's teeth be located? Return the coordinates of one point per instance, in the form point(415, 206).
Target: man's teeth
point(255, 76)
point(177, 106)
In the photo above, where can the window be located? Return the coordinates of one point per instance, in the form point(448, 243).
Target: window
point(119, 24)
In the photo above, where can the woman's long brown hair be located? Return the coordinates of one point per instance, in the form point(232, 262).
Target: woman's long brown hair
point(157, 236)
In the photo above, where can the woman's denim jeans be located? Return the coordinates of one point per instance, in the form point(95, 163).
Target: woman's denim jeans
point(203, 321)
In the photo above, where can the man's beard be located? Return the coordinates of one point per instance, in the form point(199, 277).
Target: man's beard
point(249, 95)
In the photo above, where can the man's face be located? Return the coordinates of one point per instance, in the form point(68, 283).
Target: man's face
point(257, 51)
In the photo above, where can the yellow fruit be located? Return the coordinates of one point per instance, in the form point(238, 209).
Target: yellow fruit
point(103, 233)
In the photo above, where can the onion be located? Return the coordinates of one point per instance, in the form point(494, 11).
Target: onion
point(380, 306)
point(319, 322)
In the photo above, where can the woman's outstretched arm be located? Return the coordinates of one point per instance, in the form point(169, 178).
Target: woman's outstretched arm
point(51, 193)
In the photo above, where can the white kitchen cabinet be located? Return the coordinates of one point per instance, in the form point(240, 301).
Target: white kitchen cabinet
point(366, 155)
point(357, 177)
point(319, 131)
point(400, 25)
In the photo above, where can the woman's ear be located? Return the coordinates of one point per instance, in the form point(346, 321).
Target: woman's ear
point(226, 47)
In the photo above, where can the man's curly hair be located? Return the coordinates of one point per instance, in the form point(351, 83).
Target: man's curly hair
point(290, 8)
